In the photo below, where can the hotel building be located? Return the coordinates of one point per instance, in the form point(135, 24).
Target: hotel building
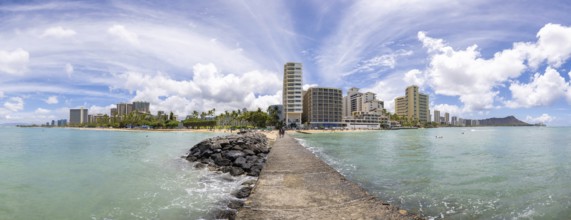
point(322, 107)
point(292, 94)
point(78, 116)
point(413, 105)
point(363, 110)
point(141, 107)
point(437, 116)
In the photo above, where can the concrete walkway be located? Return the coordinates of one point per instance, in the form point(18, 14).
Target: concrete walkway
point(295, 184)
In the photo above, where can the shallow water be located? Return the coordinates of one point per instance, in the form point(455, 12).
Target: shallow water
point(53, 173)
point(469, 173)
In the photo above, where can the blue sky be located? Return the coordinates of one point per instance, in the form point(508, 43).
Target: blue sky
point(476, 59)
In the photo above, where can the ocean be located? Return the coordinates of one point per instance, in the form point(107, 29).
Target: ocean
point(451, 173)
point(56, 173)
point(458, 173)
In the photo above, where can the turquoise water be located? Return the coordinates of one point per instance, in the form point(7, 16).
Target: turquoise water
point(470, 173)
point(84, 174)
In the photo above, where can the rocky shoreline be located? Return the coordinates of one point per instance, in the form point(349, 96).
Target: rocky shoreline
point(242, 154)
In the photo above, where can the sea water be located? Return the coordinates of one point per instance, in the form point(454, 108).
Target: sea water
point(56, 173)
point(458, 173)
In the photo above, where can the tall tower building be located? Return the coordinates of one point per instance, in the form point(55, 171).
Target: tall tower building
point(124, 109)
point(292, 94)
point(141, 107)
point(446, 118)
point(78, 116)
point(437, 116)
point(413, 105)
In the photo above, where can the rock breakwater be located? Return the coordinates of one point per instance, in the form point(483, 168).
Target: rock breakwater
point(235, 154)
point(241, 154)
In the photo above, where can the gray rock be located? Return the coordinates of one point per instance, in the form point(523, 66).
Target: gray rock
point(233, 154)
point(223, 162)
point(240, 161)
point(243, 192)
point(235, 204)
point(236, 171)
point(249, 152)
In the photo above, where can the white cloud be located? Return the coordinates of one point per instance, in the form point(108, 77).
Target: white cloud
point(68, 69)
point(14, 62)
point(58, 32)
point(14, 104)
point(121, 32)
point(541, 91)
point(475, 80)
point(307, 86)
point(379, 62)
point(51, 100)
point(454, 110)
point(209, 88)
point(1, 94)
point(414, 77)
point(544, 118)
point(466, 74)
point(553, 45)
point(42, 111)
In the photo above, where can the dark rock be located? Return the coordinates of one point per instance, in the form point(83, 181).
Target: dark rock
point(236, 148)
point(225, 214)
point(236, 171)
point(223, 162)
point(226, 169)
point(255, 170)
point(235, 204)
point(191, 158)
point(243, 192)
point(233, 154)
point(199, 165)
point(249, 183)
point(249, 152)
point(247, 166)
point(240, 161)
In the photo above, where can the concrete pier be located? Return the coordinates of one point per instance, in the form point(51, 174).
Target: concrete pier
point(295, 184)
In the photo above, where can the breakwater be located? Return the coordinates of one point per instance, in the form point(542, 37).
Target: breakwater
point(295, 184)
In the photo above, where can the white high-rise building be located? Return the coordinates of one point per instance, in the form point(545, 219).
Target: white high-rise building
point(292, 94)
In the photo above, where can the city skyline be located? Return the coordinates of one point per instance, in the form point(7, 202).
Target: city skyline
point(475, 60)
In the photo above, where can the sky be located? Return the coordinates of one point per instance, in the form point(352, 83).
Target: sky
point(476, 59)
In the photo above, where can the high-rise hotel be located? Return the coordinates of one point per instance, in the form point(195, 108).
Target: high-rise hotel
point(292, 94)
point(413, 105)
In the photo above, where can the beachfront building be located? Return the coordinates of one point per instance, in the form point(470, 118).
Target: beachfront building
point(142, 107)
point(446, 118)
point(279, 110)
point(414, 105)
point(437, 116)
point(292, 94)
point(62, 122)
point(124, 109)
point(454, 120)
point(322, 107)
point(363, 110)
point(78, 116)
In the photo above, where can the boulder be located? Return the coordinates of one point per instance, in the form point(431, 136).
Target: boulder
point(233, 154)
point(235, 204)
point(223, 162)
point(243, 192)
point(236, 171)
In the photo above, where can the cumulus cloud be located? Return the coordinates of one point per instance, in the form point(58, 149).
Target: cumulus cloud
point(475, 80)
point(544, 118)
point(14, 104)
point(454, 110)
point(553, 46)
point(121, 32)
point(58, 32)
point(414, 77)
point(209, 88)
point(466, 74)
point(68, 69)
point(541, 91)
point(51, 100)
point(14, 62)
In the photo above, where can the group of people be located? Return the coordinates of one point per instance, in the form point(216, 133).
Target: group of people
point(281, 132)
